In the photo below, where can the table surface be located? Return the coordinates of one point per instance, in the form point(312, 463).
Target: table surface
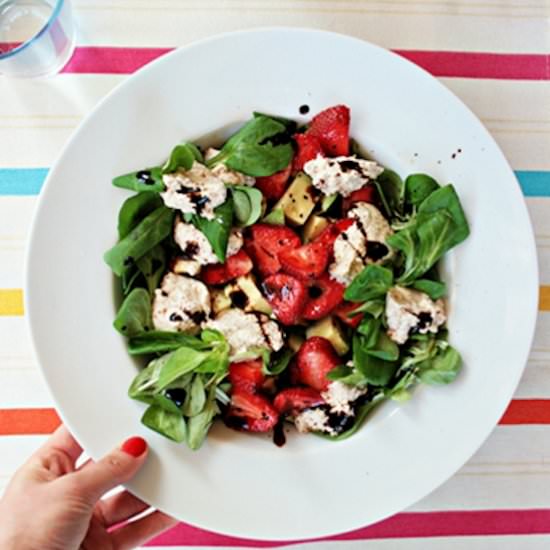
point(493, 54)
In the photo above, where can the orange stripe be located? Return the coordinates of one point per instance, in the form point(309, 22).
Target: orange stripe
point(544, 298)
point(527, 411)
point(28, 421)
point(45, 421)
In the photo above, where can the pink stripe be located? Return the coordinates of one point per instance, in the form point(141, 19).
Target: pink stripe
point(92, 59)
point(410, 524)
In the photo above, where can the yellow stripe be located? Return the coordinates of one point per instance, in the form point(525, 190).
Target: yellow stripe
point(544, 299)
point(11, 301)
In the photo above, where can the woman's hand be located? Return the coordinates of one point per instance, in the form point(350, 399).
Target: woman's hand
point(51, 505)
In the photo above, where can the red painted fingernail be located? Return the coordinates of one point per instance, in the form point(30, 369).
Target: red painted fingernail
point(134, 446)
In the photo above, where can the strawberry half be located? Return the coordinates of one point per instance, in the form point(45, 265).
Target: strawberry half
point(246, 376)
point(274, 186)
point(287, 296)
point(365, 194)
point(307, 148)
point(294, 400)
point(306, 262)
point(325, 294)
point(331, 127)
point(264, 243)
point(251, 412)
point(235, 266)
point(343, 311)
point(331, 232)
point(314, 360)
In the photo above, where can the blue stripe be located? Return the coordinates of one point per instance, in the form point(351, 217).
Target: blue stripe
point(28, 181)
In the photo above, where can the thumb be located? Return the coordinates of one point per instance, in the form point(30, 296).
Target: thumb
point(117, 467)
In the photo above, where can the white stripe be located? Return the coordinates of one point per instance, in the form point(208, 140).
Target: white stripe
point(476, 25)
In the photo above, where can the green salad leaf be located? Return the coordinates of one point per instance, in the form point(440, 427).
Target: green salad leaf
point(168, 424)
point(247, 203)
point(199, 425)
point(434, 289)
point(373, 282)
point(152, 266)
point(254, 150)
point(443, 368)
point(156, 341)
point(147, 180)
point(154, 228)
point(134, 315)
point(376, 371)
point(418, 187)
point(278, 363)
point(134, 209)
point(217, 230)
point(182, 156)
point(390, 190)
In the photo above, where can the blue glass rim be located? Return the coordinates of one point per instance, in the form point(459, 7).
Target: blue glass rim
point(55, 12)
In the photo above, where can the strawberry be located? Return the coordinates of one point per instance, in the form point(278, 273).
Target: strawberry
point(331, 232)
point(365, 194)
point(264, 244)
point(315, 359)
point(343, 310)
point(274, 186)
point(246, 376)
point(324, 295)
point(251, 412)
point(306, 262)
point(287, 296)
point(294, 400)
point(308, 147)
point(331, 127)
point(235, 266)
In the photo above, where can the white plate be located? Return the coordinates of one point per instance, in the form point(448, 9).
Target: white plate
point(243, 485)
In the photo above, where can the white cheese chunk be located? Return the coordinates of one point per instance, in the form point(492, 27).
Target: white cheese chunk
point(226, 174)
point(342, 175)
point(180, 304)
point(195, 191)
point(247, 331)
point(197, 250)
point(408, 310)
point(339, 397)
point(313, 420)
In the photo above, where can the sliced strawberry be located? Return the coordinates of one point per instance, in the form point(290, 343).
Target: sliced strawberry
point(306, 262)
point(294, 400)
point(287, 296)
point(235, 266)
point(251, 412)
point(365, 194)
point(246, 375)
point(264, 244)
point(308, 147)
point(331, 232)
point(325, 294)
point(331, 126)
point(315, 359)
point(343, 311)
point(274, 186)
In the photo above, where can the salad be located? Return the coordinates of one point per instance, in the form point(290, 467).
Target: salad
point(282, 277)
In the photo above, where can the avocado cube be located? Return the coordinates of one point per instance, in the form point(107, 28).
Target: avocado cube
point(299, 200)
point(220, 301)
point(314, 227)
point(330, 329)
point(295, 342)
point(244, 294)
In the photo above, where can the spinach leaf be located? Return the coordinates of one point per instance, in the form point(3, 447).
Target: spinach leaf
point(253, 149)
point(182, 156)
point(181, 361)
point(199, 425)
point(168, 424)
point(275, 217)
point(150, 231)
point(434, 289)
point(370, 328)
point(289, 124)
point(152, 266)
point(374, 281)
point(279, 363)
point(417, 188)
point(390, 190)
point(196, 397)
point(372, 307)
point(217, 230)
point(134, 314)
point(148, 180)
point(441, 369)
point(384, 348)
point(134, 209)
point(145, 385)
point(376, 371)
point(347, 375)
point(156, 341)
point(247, 203)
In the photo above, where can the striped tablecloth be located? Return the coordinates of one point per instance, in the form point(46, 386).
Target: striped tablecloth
point(493, 54)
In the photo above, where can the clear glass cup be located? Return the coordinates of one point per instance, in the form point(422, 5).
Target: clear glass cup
point(37, 37)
